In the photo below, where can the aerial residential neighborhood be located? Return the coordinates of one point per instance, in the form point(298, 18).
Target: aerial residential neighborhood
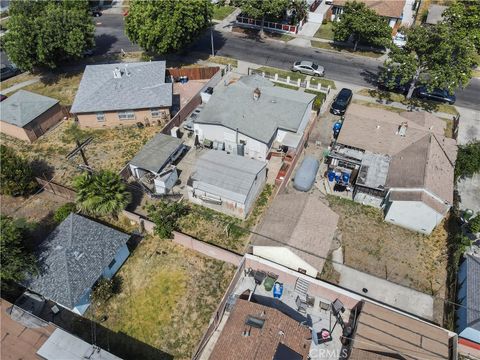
point(240, 179)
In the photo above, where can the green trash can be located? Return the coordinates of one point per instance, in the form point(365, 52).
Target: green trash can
point(268, 283)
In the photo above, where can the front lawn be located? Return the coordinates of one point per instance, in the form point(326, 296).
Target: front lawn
point(221, 12)
point(336, 47)
point(282, 73)
point(167, 296)
point(325, 31)
point(325, 82)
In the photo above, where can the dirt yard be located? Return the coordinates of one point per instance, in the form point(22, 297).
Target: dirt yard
point(389, 251)
point(110, 149)
point(167, 297)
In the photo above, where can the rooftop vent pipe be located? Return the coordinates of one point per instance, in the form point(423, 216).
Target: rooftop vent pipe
point(256, 94)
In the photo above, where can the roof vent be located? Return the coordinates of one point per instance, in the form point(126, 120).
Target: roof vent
point(254, 322)
point(117, 73)
point(128, 73)
point(402, 129)
point(256, 94)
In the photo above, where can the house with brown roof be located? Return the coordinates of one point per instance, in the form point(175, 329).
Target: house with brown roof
point(302, 317)
point(382, 333)
point(400, 162)
point(391, 10)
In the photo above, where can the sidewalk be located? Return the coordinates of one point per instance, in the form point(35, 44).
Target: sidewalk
point(19, 86)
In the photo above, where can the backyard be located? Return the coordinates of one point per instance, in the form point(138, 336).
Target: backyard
point(168, 294)
point(105, 151)
point(391, 252)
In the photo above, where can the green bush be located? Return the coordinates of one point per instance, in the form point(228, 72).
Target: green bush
point(165, 215)
point(63, 211)
point(474, 224)
point(105, 288)
point(324, 21)
point(468, 160)
point(16, 177)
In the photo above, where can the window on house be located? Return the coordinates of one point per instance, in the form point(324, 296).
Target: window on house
point(126, 115)
point(112, 263)
point(100, 116)
point(156, 112)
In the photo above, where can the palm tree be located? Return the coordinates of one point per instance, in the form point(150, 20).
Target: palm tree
point(101, 193)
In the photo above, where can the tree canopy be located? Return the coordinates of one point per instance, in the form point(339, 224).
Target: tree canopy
point(273, 9)
point(465, 15)
point(363, 24)
point(101, 193)
point(16, 261)
point(165, 215)
point(16, 177)
point(164, 26)
point(437, 56)
point(48, 32)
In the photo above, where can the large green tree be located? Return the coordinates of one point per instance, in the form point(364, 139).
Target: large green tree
point(363, 24)
point(438, 56)
point(48, 32)
point(465, 15)
point(16, 177)
point(168, 25)
point(16, 261)
point(101, 194)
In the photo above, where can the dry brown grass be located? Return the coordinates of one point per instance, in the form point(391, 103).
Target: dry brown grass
point(399, 255)
point(168, 296)
point(110, 148)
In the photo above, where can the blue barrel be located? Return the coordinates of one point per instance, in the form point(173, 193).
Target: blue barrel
point(345, 177)
point(331, 175)
point(277, 290)
point(337, 126)
point(338, 176)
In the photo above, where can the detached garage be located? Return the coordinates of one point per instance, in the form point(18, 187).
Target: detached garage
point(27, 116)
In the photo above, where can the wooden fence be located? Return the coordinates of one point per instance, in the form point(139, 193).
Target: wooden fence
point(182, 114)
point(57, 188)
point(194, 73)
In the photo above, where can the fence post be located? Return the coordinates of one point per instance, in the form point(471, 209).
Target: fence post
point(288, 79)
point(263, 74)
point(319, 87)
point(276, 77)
point(308, 84)
point(328, 89)
point(299, 82)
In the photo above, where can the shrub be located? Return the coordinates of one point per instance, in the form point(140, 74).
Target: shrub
point(324, 21)
point(63, 211)
point(105, 288)
point(474, 224)
point(165, 215)
point(468, 160)
point(16, 177)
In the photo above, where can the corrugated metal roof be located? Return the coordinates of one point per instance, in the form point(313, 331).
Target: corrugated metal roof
point(24, 107)
point(154, 155)
point(234, 107)
point(140, 86)
point(225, 175)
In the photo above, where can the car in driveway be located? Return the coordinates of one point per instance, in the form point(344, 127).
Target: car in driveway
point(441, 95)
point(341, 102)
point(400, 40)
point(9, 71)
point(308, 68)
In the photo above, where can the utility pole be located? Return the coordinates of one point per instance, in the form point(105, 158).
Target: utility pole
point(80, 149)
point(211, 40)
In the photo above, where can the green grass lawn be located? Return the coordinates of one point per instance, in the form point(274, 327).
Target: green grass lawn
point(279, 36)
point(331, 46)
point(282, 73)
point(223, 60)
point(325, 31)
point(221, 12)
point(325, 82)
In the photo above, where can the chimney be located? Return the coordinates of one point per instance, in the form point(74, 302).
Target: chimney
point(402, 129)
point(256, 94)
point(117, 73)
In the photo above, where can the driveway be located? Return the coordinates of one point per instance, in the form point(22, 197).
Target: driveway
point(382, 290)
point(469, 125)
point(469, 193)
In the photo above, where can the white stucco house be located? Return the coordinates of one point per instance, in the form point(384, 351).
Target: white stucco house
point(468, 315)
point(73, 257)
point(400, 162)
point(251, 116)
point(152, 165)
point(227, 183)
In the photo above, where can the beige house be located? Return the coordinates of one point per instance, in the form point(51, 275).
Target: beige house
point(122, 94)
point(400, 162)
point(27, 116)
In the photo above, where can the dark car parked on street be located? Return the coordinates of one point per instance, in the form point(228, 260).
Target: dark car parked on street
point(441, 95)
point(341, 102)
point(7, 72)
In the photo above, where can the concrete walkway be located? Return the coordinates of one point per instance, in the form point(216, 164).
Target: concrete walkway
point(469, 125)
point(382, 290)
point(19, 86)
point(227, 23)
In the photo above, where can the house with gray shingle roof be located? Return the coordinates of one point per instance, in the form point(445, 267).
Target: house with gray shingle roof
point(252, 114)
point(123, 94)
point(27, 116)
point(468, 315)
point(74, 257)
